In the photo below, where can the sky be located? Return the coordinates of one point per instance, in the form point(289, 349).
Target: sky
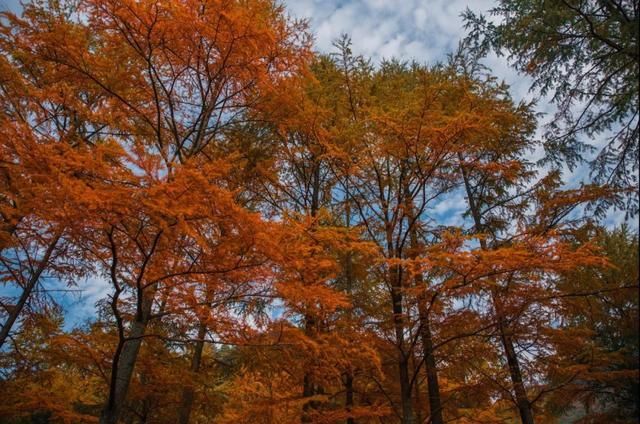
point(424, 30)
point(421, 30)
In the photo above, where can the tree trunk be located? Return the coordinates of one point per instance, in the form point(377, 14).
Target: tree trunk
point(124, 364)
point(396, 279)
point(308, 388)
point(417, 396)
point(403, 358)
point(433, 386)
point(349, 396)
point(524, 406)
point(348, 402)
point(188, 393)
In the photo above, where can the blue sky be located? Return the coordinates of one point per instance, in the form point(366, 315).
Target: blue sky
point(421, 30)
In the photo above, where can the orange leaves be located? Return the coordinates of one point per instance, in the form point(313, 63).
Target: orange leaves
point(462, 264)
point(283, 235)
point(267, 389)
point(166, 74)
point(260, 398)
point(308, 259)
point(56, 388)
point(61, 186)
point(116, 113)
point(509, 170)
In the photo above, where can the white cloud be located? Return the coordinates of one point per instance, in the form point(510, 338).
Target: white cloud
point(409, 30)
point(435, 26)
point(79, 308)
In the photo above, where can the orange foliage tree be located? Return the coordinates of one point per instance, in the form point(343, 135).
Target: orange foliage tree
point(275, 232)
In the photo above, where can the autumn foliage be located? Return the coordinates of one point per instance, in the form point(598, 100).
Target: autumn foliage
point(272, 236)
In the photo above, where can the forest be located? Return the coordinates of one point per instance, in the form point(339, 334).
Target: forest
point(281, 235)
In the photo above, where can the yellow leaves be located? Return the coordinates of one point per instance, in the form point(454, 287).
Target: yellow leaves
point(269, 388)
point(53, 396)
point(59, 386)
point(263, 398)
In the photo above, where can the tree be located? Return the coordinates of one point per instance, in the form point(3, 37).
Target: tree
point(601, 306)
point(48, 130)
point(288, 237)
point(41, 382)
point(585, 55)
point(500, 188)
point(146, 108)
